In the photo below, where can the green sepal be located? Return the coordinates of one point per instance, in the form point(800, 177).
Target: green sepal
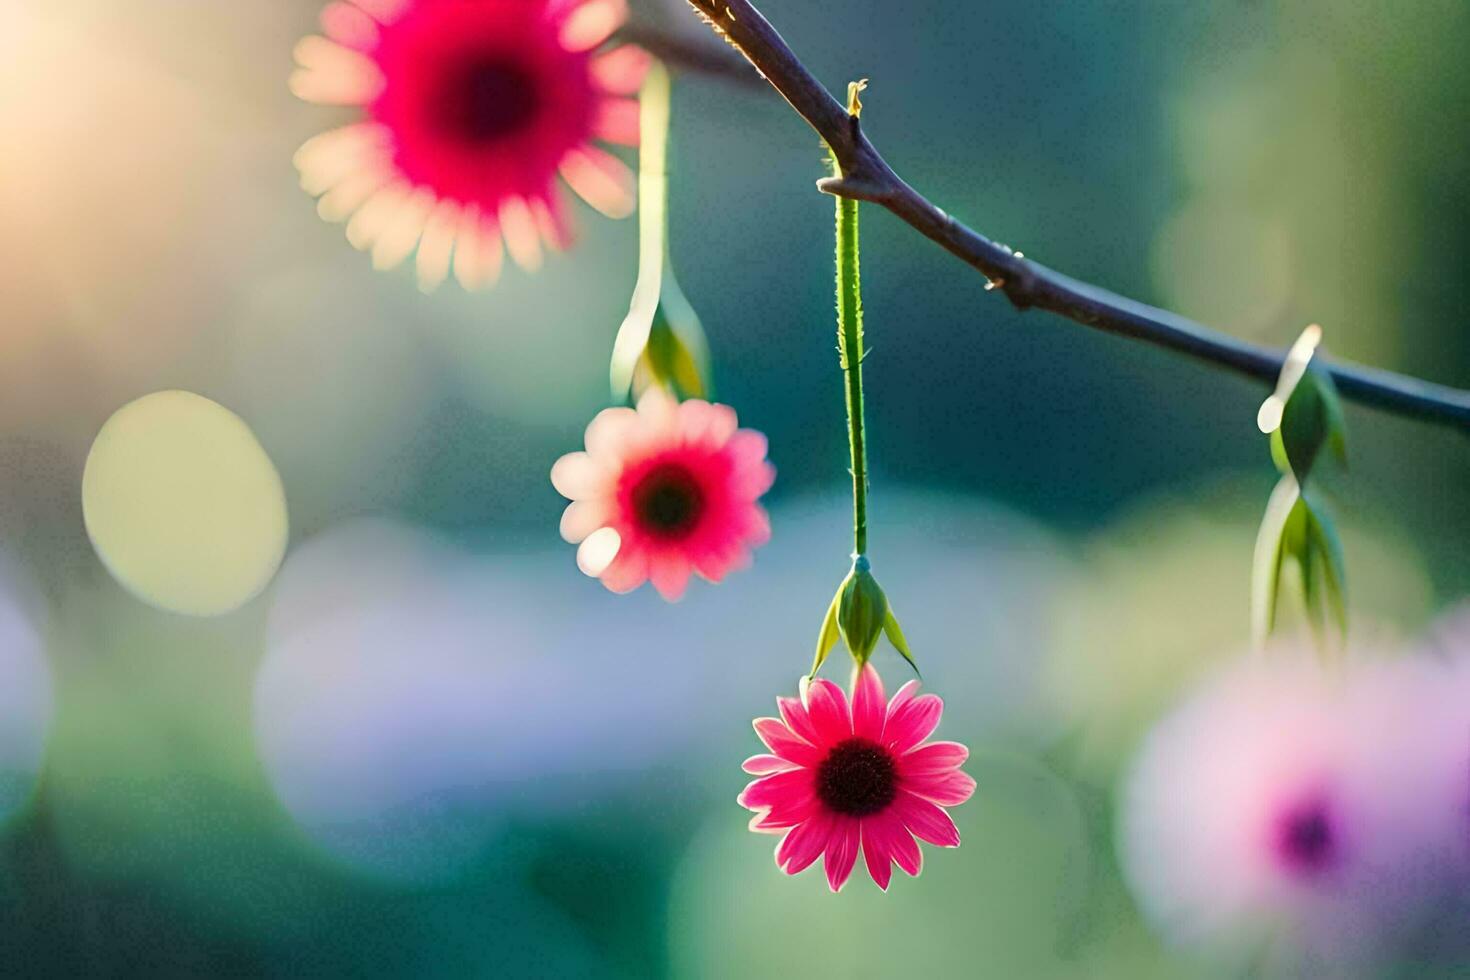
point(827, 635)
point(894, 632)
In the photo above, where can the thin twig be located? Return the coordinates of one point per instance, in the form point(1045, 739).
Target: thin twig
point(866, 176)
point(692, 54)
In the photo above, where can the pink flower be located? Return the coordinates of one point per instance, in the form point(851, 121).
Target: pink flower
point(1292, 801)
point(664, 491)
point(472, 108)
point(838, 778)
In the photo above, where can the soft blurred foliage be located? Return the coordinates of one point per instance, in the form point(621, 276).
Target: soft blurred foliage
point(432, 747)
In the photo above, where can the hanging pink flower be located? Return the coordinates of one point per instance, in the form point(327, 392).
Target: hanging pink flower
point(472, 108)
point(664, 491)
point(839, 777)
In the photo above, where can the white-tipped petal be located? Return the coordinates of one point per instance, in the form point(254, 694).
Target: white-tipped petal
point(435, 248)
point(598, 550)
point(600, 179)
point(522, 237)
point(331, 74)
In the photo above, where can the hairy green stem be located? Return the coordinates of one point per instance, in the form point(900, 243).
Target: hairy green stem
point(850, 355)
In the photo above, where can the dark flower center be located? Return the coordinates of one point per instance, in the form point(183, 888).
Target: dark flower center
point(857, 778)
point(1305, 838)
point(668, 501)
point(483, 97)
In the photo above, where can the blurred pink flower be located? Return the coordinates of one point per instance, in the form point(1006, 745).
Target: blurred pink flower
point(841, 777)
point(664, 491)
point(472, 109)
point(1290, 801)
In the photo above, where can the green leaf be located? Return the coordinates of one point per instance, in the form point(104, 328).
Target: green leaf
point(1327, 550)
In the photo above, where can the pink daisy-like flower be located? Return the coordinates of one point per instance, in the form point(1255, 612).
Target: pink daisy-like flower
point(664, 491)
point(840, 777)
point(472, 107)
point(1290, 802)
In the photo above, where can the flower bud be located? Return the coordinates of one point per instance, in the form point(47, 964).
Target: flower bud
point(660, 344)
point(862, 611)
point(860, 614)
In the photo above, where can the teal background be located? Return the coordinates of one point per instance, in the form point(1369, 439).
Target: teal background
point(1064, 520)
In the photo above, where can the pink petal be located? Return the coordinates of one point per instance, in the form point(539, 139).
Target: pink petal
point(707, 424)
point(925, 820)
point(608, 433)
point(902, 696)
point(780, 740)
point(803, 845)
point(933, 758)
point(875, 851)
point(948, 788)
point(891, 839)
point(842, 850)
point(670, 575)
point(617, 121)
point(600, 179)
point(349, 25)
point(590, 23)
point(577, 475)
point(749, 446)
point(621, 70)
point(868, 705)
point(628, 571)
point(781, 789)
point(787, 813)
point(827, 706)
point(764, 765)
point(758, 526)
point(913, 722)
point(581, 518)
point(794, 713)
point(714, 564)
point(754, 475)
point(905, 850)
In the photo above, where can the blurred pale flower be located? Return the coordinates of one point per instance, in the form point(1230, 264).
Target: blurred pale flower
point(1290, 802)
point(664, 491)
point(472, 108)
point(839, 777)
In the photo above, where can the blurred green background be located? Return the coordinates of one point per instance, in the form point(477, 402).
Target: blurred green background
point(484, 764)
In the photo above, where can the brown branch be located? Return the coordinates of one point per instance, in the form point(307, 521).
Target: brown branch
point(866, 176)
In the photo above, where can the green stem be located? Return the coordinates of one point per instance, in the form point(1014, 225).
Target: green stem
point(653, 226)
point(850, 353)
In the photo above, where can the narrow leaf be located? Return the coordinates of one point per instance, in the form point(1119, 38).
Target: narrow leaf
point(1269, 555)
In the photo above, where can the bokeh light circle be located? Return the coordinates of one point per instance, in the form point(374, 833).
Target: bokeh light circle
point(183, 505)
